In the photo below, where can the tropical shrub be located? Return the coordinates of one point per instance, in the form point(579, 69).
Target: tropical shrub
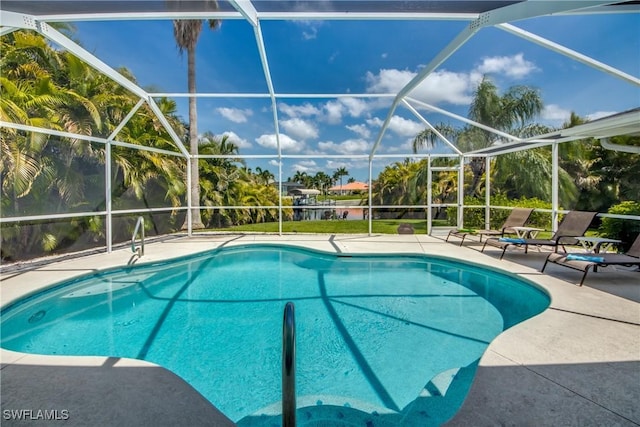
point(474, 217)
point(622, 229)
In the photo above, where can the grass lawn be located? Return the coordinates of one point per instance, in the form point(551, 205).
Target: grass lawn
point(380, 226)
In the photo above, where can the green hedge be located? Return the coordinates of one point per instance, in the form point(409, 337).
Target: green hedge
point(474, 217)
point(622, 229)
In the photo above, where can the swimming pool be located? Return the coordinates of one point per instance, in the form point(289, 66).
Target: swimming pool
point(382, 340)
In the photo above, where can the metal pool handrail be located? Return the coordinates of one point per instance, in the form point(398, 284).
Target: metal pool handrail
point(289, 367)
point(139, 226)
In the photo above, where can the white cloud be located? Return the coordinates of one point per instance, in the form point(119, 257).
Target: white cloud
point(349, 146)
point(333, 110)
point(388, 80)
point(354, 106)
point(236, 115)
point(398, 125)
point(404, 127)
point(299, 128)
point(308, 163)
point(404, 147)
point(443, 86)
point(512, 66)
point(286, 143)
point(233, 137)
point(310, 28)
point(361, 130)
point(440, 86)
point(384, 55)
point(555, 113)
point(333, 165)
point(274, 163)
point(304, 110)
point(310, 34)
point(376, 122)
point(305, 166)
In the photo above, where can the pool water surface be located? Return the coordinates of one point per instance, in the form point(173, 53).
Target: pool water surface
point(381, 340)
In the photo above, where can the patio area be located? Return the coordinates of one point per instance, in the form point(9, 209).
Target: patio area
point(578, 363)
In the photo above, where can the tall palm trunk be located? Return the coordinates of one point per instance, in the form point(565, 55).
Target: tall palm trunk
point(186, 33)
point(196, 218)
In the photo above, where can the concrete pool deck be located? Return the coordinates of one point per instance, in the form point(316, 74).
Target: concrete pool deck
point(578, 363)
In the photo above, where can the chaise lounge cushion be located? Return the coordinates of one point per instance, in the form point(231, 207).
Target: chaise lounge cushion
point(584, 262)
point(574, 224)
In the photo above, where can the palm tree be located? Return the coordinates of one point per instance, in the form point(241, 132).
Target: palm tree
point(186, 33)
point(322, 182)
point(400, 183)
point(338, 174)
point(511, 113)
point(264, 176)
point(220, 177)
point(300, 177)
point(43, 87)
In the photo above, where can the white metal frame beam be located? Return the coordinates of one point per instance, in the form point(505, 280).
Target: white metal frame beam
point(276, 94)
point(107, 175)
point(136, 16)
point(453, 46)
point(28, 128)
point(516, 11)
point(7, 30)
point(31, 23)
point(246, 9)
point(167, 126)
point(465, 120)
point(17, 20)
point(492, 152)
point(601, 128)
point(534, 8)
point(54, 35)
point(623, 123)
point(264, 16)
point(430, 126)
point(634, 149)
point(569, 53)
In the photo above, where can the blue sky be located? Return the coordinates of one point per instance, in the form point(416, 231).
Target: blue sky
point(368, 57)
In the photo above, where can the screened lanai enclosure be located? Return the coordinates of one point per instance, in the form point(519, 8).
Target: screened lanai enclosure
point(201, 115)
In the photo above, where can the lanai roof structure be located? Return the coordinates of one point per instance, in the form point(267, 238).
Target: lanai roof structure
point(480, 15)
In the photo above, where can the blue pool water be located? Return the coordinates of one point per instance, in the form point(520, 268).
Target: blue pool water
point(381, 340)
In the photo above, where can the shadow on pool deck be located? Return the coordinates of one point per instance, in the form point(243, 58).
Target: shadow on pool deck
point(588, 394)
point(106, 395)
point(501, 395)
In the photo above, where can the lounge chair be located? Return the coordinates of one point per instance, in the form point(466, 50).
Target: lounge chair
point(574, 224)
point(517, 218)
point(585, 261)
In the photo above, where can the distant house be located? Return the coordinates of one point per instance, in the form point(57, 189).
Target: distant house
point(355, 187)
point(287, 186)
point(304, 192)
